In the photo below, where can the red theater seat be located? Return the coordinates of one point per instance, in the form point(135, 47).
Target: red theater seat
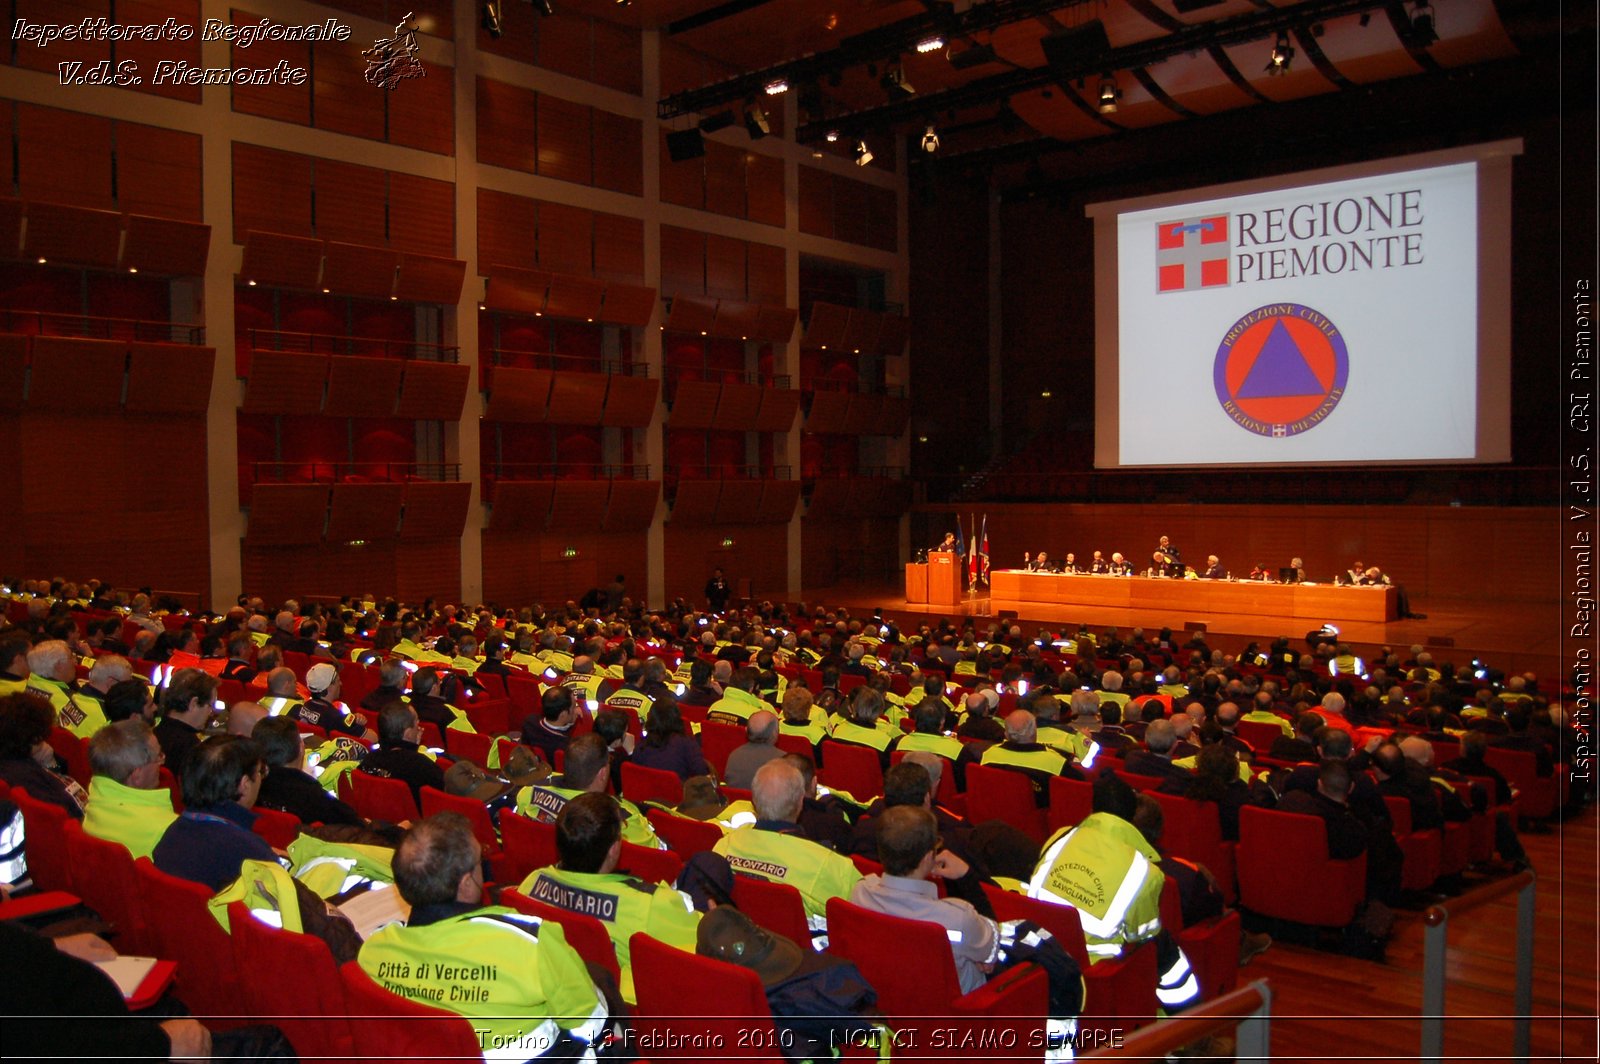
point(1285, 871)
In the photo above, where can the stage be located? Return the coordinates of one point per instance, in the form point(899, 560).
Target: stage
point(1519, 637)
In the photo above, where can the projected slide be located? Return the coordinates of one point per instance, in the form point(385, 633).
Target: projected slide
point(1322, 321)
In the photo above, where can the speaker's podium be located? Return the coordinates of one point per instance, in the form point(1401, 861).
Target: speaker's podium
point(944, 578)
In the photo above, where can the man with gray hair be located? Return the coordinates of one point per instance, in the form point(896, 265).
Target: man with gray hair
point(1156, 759)
point(52, 672)
point(90, 697)
point(761, 736)
point(1021, 752)
point(127, 803)
point(768, 849)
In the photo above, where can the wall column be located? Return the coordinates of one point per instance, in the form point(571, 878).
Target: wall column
point(462, 438)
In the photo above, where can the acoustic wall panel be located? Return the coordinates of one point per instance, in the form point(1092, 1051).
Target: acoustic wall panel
point(169, 379)
point(363, 387)
point(630, 401)
point(283, 383)
point(632, 505)
point(517, 394)
point(828, 412)
point(778, 501)
point(77, 235)
point(281, 260)
point(694, 405)
point(738, 407)
point(13, 370)
point(627, 304)
point(433, 391)
point(365, 512)
point(163, 246)
point(827, 326)
point(359, 270)
point(430, 279)
point(738, 502)
point(577, 398)
point(283, 514)
point(77, 375)
point(696, 502)
point(435, 509)
point(777, 410)
point(521, 505)
point(578, 505)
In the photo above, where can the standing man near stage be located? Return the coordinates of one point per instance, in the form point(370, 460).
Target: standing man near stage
point(717, 591)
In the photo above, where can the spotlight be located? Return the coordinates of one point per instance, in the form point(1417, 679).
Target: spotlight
point(777, 87)
point(1109, 95)
point(1422, 28)
point(543, 7)
point(755, 121)
point(930, 140)
point(1282, 54)
point(895, 84)
point(832, 136)
point(930, 44)
point(974, 56)
point(491, 18)
point(863, 153)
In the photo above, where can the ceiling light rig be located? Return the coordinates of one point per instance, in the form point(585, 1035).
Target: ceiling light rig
point(490, 18)
point(1282, 55)
point(930, 140)
point(1422, 25)
point(863, 154)
point(930, 44)
point(777, 87)
point(1109, 95)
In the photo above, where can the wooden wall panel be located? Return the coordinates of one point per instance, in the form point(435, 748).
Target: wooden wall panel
point(632, 505)
point(724, 179)
point(566, 45)
point(63, 156)
point(507, 120)
point(883, 219)
point(342, 101)
point(32, 57)
point(566, 239)
point(618, 248)
point(422, 112)
point(618, 153)
point(169, 379)
point(368, 512)
point(765, 201)
point(433, 391)
point(565, 140)
point(850, 210)
point(426, 569)
point(816, 201)
point(683, 261)
point(435, 510)
point(271, 192)
point(759, 554)
point(725, 267)
point(350, 202)
point(526, 567)
point(148, 53)
point(767, 276)
point(286, 103)
point(619, 57)
point(507, 230)
point(158, 171)
point(363, 387)
point(82, 375)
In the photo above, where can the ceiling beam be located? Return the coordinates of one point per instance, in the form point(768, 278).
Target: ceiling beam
point(1238, 29)
point(875, 45)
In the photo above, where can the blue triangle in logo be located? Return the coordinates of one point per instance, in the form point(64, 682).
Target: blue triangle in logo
point(1279, 370)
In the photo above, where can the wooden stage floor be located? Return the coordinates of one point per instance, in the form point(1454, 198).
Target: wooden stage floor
point(1517, 636)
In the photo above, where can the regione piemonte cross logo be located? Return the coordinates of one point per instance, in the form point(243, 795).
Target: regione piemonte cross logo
point(1280, 370)
point(1192, 253)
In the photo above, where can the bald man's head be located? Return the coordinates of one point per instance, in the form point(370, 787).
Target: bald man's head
point(1021, 727)
point(243, 718)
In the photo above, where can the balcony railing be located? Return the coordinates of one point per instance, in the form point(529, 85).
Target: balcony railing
point(573, 363)
point(90, 327)
point(564, 471)
point(835, 384)
point(331, 344)
point(693, 471)
point(286, 472)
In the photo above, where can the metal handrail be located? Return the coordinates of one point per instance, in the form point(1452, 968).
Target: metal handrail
point(334, 472)
point(91, 327)
point(691, 471)
point(837, 384)
point(612, 367)
point(566, 471)
point(1436, 923)
point(780, 381)
point(1249, 1008)
point(337, 344)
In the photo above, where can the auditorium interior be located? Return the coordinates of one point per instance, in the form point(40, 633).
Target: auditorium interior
point(600, 291)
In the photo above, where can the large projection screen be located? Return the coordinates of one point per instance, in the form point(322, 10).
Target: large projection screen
point(1357, 314)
